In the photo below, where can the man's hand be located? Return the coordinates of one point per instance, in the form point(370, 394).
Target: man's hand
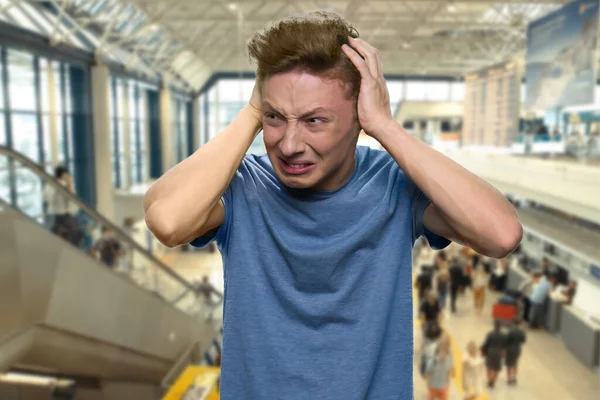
point(255, 104)
point(374, 113)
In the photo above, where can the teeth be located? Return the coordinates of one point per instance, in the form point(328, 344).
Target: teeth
point(299, 165)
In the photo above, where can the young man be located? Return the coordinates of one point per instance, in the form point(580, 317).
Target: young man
point(316, 235)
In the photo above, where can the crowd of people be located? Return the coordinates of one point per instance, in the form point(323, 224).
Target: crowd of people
point(452, 274)
point(64, 219)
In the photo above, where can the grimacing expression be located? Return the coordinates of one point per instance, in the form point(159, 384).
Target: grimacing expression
point(310, 130)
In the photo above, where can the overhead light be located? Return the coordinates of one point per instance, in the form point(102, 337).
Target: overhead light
point(232, 6)
point(405, 45)
point(37, 380)
point(451, 8)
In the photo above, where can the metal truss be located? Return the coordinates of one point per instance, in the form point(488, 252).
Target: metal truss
point(183, 39)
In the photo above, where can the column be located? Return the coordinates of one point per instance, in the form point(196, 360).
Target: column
point(155, 149)
point(192, 128)
point(126, 132)
point(105, 202)
point(166, 133)
point(83, 138)
point(53, 128)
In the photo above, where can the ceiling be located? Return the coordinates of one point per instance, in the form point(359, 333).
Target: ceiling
point(192, 39)
point(414, 37)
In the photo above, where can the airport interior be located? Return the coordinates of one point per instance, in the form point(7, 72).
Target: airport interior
point(100, 98)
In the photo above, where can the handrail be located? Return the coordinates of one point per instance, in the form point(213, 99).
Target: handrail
point(93, 213)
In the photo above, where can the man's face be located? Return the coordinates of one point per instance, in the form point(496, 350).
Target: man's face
point(310, 130)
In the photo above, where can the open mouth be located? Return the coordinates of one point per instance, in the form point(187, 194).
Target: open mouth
point(295, 168)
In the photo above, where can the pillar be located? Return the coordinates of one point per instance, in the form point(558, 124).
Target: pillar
point(126, 132)
point(83, 139)
point(166, 138)
point(105, 202)
point(154, 143)
point(192, 126)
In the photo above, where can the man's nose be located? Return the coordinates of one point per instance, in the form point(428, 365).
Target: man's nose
point(291, 144)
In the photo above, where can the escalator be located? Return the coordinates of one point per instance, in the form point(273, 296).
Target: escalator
point(65, 312)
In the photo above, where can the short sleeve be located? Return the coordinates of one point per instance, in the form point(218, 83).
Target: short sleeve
point(219, 234)
point(419, 203)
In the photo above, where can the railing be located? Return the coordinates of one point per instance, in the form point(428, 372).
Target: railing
point(88, 230)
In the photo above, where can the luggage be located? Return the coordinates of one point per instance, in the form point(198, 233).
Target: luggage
point(506, 299)
point(504, 312)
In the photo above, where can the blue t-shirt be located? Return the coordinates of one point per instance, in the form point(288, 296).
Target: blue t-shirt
point(318, 301)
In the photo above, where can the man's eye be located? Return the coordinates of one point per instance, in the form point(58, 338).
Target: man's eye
point(270, 116)
point(315, 120)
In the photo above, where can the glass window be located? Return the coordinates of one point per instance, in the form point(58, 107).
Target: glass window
point(437, 91)
point(29, 192)
point(131, 101)
point(21, 85)
point(415, 90)
point(57, 87)
point(26, 141)
point(4, 181)
point(1, 83)
point(68, 95)
point(45, 100)
point(458, 91)
point(2, 129)
point(46, 137)
point(201, 117)
point(123, 171)
point(70, 134)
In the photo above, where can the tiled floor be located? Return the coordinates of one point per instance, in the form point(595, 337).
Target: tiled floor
point(547, 370)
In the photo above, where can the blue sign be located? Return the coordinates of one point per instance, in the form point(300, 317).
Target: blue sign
point(560, 63)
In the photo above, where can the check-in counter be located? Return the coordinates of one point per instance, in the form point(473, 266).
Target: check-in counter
point(516, 276)
point(581, 335)
point(553, 316)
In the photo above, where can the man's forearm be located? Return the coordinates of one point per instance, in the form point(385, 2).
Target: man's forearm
point(479, 214)
point(179, 202)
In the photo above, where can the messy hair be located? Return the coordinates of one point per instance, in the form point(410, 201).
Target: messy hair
point(310, 43)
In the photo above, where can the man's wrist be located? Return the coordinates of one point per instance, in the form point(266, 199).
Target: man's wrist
point(391, 130)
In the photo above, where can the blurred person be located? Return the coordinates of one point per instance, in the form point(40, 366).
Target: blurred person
point(480, 283)
point(441, 260)
point(318, 232)
point(424, 282)
point(515, 338)
point(57, 206)
point(523, 292)
point(500, 274)
point(545, 267)
point(108, 248)
point(127, 259)
point(456, 274)
point(431, 336)
point(440, 371)
point(537, 299)
point(473, 371)
point(565, 295)
point(206, 291)
point(430, 310)
point(493, 349)
point(443, 283)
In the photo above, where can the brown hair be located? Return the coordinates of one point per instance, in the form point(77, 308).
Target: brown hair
point(311, 43)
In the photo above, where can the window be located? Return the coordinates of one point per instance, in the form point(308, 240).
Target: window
point(457, 91)
point(21, 84)
point(415, 91)
point(26, 141)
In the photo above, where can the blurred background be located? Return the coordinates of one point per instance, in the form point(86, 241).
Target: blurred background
point(98, 98)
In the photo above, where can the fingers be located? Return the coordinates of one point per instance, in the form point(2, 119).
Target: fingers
point(369, 53)
point(357, 60)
